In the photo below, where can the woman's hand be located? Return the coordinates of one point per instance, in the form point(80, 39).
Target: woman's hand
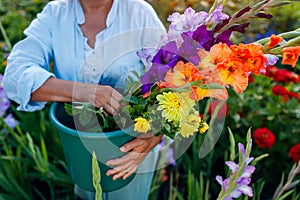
point(67, 91)
point(102, 96)
point(137, 150)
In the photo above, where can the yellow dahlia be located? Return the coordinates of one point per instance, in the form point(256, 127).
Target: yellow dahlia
point(141, 125)
point(204, 127)
point(187, 129)
point(175, 106)
point(193, 119)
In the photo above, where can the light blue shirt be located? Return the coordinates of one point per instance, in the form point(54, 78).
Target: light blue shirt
point(55, 35)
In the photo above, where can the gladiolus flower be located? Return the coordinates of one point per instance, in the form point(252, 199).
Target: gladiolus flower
point(201, 93)
point(233, 74)
point(274, 41)
point(238, 181)
point(290, 55)
point(251, 55)
point(295, 152)
point(264, 138)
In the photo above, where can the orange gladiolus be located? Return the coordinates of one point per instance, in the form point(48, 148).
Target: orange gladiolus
point(274, 41)
point(182, 74)
point(290, 55)
point(232, 73)
point(251, 55)
point(200, 93)
point(218, 53)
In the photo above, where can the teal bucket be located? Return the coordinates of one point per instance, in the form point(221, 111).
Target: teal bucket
point(78, 147)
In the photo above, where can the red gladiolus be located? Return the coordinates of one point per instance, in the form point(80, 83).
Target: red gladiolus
point(264, 138)
point(295, 152)
point(222, 112)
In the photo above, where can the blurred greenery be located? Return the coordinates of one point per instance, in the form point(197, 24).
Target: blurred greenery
point(32, 164)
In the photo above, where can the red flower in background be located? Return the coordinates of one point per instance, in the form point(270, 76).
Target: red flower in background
point(295, 152)
point(250, 79)
point(294, 94)
point(279, 90)
point(282, 75)
point(222, 112)
point(282, 91)
point(264, 138)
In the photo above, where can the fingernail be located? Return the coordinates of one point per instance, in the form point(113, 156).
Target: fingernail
point(123, 148)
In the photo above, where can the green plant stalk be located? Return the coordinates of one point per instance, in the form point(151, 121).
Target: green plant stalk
point(287, 35)
point(261, 6)
point(6, 39)
point(289, 184)
point(96, 177)
point(232, 145)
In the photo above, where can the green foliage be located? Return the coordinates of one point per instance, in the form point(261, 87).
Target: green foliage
point(32, 164)
point(31, 161)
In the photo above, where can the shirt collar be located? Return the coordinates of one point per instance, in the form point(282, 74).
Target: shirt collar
point(110, 17)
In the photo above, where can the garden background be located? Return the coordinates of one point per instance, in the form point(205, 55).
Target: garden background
point(32, 164)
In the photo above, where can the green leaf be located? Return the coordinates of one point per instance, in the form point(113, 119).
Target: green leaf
point(130, 99)
point(68, 109)
point(85, 117)
point(211, 86)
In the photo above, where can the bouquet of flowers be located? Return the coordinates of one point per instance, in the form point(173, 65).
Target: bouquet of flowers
point(194, 61)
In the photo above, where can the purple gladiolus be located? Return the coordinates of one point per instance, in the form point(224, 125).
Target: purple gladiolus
point(217, 15)
point(6, 56)
point(271, 59)
point(146, 55)
point(234, 188)
point(165, 59)
point(224, 37)
point(4, 102)
point(188, 48)
point(188, 21)
point(204, 37)
point(11, 121)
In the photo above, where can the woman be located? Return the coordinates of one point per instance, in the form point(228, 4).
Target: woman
point(93, 45)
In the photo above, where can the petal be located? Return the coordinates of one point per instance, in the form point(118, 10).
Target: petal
point(248, 171)
point(247, 190)
point(220, 180)
point(232, 166)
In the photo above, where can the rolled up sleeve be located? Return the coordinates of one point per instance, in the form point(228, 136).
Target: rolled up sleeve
point(28, 64)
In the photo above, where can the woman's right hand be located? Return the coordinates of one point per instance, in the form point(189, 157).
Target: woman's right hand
point(102, 96)
point(68, 91)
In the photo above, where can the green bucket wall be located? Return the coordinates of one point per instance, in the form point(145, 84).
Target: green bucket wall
point(78, 147)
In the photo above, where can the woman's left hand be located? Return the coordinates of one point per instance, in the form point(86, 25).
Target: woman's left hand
point(136, 149)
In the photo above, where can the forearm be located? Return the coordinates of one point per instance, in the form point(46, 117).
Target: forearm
point(58, 90)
